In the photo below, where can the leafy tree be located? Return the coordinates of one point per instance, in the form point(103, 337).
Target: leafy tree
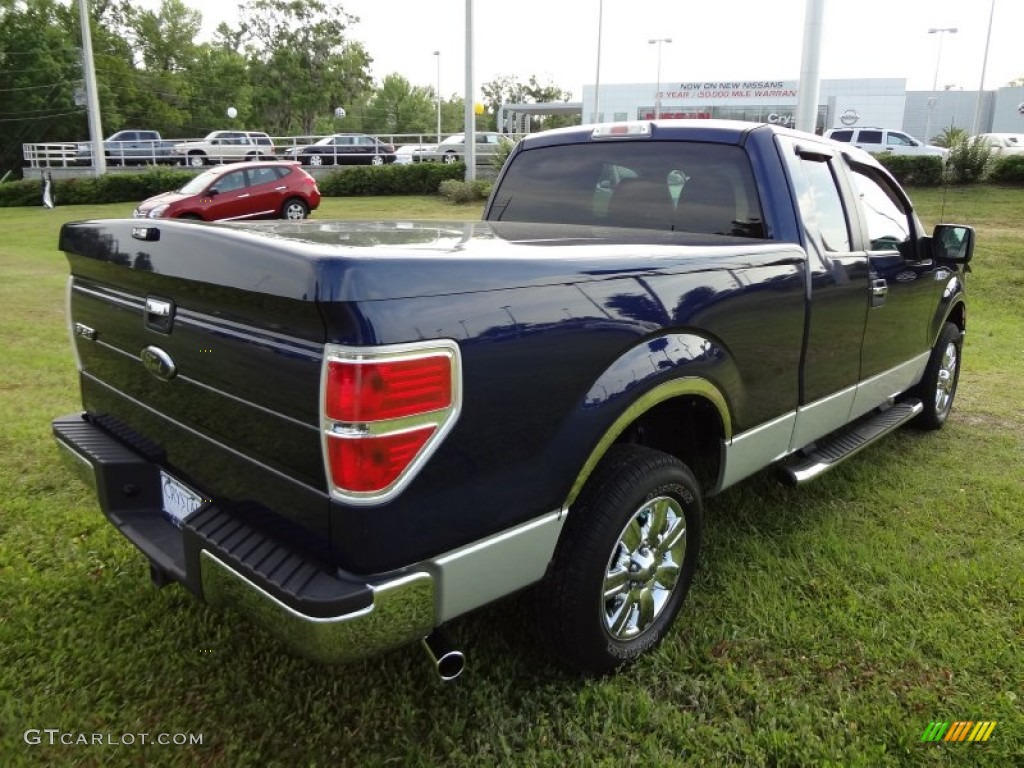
point(399, 107)
point(39, 74)
point(506, 89)
point(164, 40)
point(453, 114)
point(145, 61)
point(218, 79)
point(301, 64)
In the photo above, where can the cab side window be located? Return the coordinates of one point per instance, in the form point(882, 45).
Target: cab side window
point(889, 223)
point(825, 206)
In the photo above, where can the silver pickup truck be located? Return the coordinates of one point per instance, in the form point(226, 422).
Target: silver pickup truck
point(130, 147)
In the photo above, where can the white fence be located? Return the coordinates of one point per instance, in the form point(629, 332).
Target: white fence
point(80, 154)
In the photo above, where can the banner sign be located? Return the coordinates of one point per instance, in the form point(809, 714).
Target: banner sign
point(732, 90)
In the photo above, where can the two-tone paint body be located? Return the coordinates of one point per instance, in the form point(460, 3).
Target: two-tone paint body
point(569, 338)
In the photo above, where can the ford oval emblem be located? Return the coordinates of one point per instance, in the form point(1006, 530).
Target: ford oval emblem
point(159, 363)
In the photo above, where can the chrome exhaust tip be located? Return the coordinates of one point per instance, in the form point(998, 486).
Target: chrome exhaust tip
point(448, 662)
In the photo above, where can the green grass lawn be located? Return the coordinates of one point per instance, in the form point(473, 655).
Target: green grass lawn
point(829, 625)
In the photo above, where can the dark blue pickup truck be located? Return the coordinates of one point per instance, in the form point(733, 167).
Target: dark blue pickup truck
point(354, 433)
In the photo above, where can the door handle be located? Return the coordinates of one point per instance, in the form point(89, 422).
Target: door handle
point(879, 290)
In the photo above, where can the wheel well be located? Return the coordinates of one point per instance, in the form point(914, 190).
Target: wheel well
point(958, 317)
point(689, 428)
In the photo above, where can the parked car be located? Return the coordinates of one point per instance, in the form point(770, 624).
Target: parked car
point(133, 146)
point(883, 140)
point(268, 189)
point(344, 149)
point(221, 146)
point(1004, 143)
point(453, 149)
point(414, 153)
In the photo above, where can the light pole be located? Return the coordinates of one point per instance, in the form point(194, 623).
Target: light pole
point(984, 66)
point(657, 92)
point(438, 55)
point(940, 31)
point(597, 79)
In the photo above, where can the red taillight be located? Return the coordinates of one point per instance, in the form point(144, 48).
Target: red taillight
point(369, 464)
point(359, 392)
point(385, 410)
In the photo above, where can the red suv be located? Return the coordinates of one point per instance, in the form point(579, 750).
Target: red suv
point(254, 190)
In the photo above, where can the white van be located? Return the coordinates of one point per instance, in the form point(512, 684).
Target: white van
point(883, 140)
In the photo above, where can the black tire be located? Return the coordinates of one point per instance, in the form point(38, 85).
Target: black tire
point(937, 388)
point(294, 209)
point(636, 496)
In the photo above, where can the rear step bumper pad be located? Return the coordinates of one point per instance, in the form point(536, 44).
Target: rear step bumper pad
point(321, 614)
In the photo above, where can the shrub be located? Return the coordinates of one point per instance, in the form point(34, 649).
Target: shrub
point(505, 147)
point(913, 170)
point(950, 137)
point(968, 160)
point(1005, 170)
point(23, 192)
point(412, 179)
point(408, 179)
point(455, 191)
point(109, 188)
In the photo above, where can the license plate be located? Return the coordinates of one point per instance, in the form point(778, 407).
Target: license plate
point(179, 500)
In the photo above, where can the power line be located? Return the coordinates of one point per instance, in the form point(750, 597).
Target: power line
point(18, 71)
point(40, 117)
point(40, 111)
point(33, 52)
point(39, 87)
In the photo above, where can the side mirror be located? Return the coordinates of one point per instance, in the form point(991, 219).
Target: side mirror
point(953, 242)
point(213, 192)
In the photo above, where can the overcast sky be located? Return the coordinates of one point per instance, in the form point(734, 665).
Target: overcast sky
point(711, 40)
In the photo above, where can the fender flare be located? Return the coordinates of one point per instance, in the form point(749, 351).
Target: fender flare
point(669, 390)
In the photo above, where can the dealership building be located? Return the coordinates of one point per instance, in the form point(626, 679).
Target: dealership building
point(880, 102)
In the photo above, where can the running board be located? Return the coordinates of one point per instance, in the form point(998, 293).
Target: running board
point(847, 442)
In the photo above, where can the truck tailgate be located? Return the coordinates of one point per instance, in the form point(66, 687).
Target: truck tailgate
point(215, 376)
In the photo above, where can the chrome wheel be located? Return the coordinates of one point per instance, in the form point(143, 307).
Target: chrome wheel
point(197, 161)
point(937, 388)
point(946, 380)
point(625, 559)
point(316, 161)
point(451, 158)
point(378, 160)
point(644, 567)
